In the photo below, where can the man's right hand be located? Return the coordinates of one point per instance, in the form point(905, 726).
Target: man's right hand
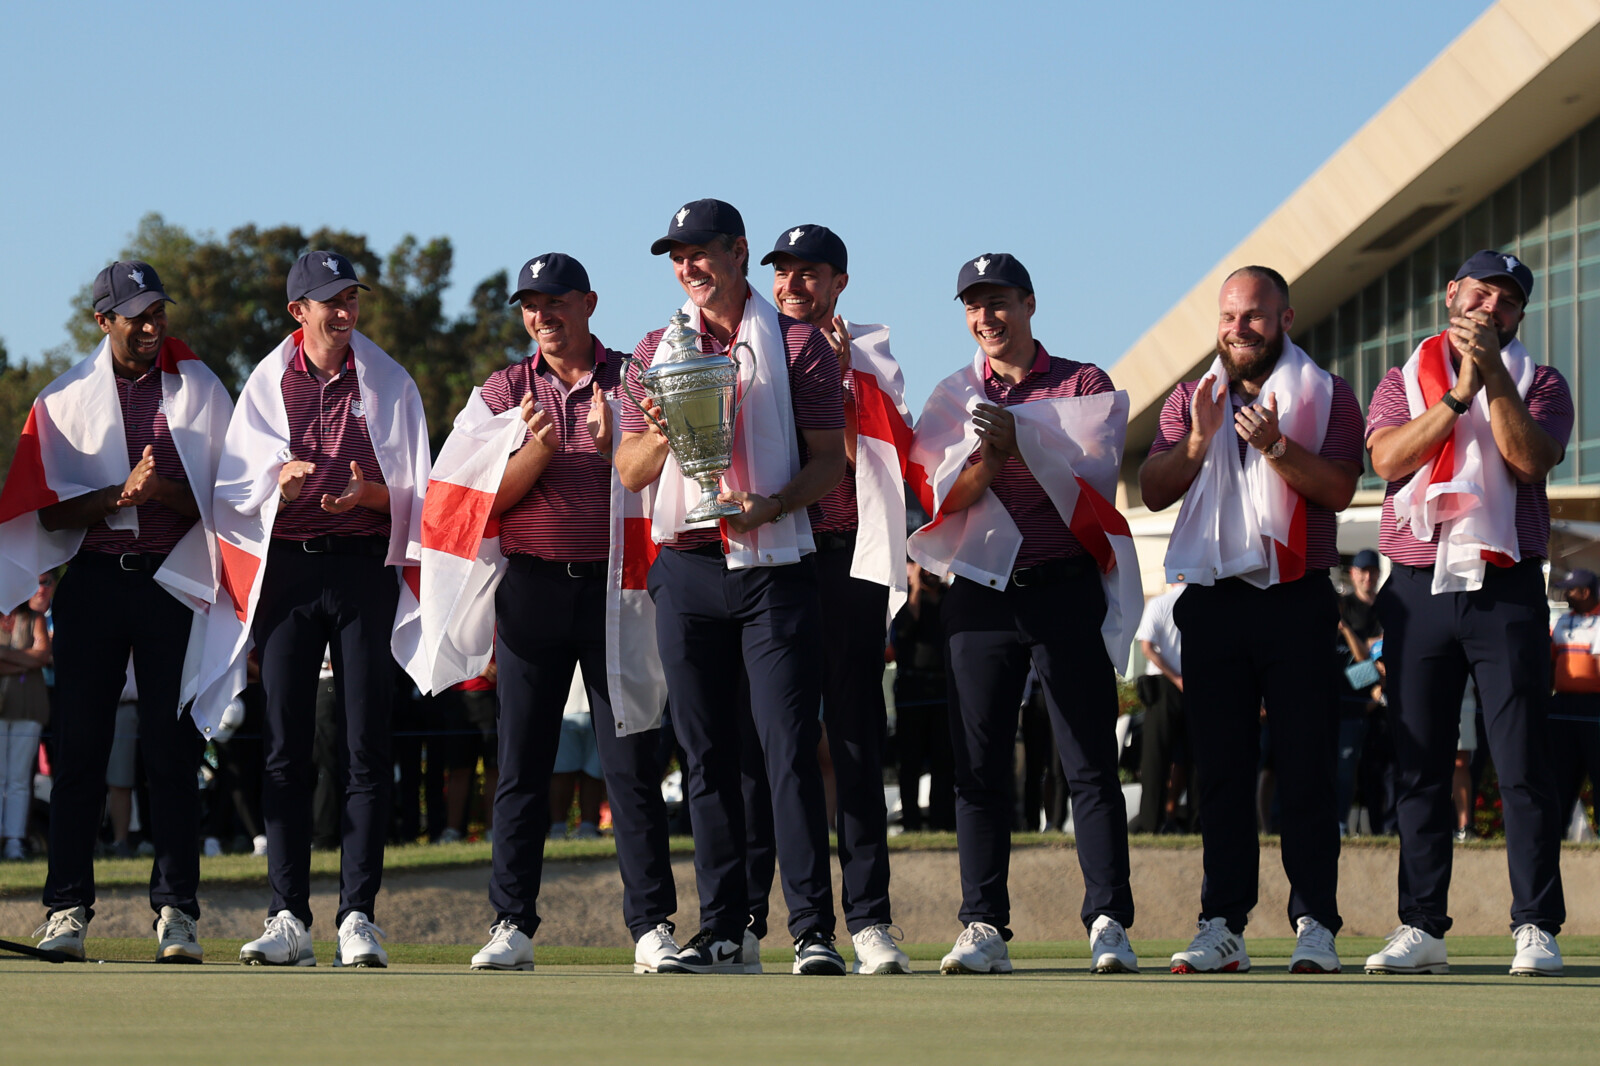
point(1469, 381)
point(1206, 414)
point(292, 478)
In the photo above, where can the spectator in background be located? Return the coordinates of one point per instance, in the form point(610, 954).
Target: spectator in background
point(1165, 766)
point(922, 727)
point(577, 769)
point(122, 769)
point(1575, 709)
point(1362, 696)
point(1461, 790)
point(476, 712)
point(24, 710)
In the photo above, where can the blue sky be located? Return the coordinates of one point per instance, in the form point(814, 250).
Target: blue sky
point(1119, 150)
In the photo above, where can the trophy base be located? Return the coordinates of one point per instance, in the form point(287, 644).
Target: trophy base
point(709, 510)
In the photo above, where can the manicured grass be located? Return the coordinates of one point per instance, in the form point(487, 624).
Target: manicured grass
point(1049, 1011)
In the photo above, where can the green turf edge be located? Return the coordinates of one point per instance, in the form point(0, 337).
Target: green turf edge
point(227, 951)
point(27, 878)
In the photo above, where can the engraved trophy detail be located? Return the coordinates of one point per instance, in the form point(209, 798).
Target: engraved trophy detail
point(698, 396)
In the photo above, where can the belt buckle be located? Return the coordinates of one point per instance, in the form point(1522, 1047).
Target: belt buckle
point(122, 561)
point(572, 570)
point(1019, 577)
point(306, 547)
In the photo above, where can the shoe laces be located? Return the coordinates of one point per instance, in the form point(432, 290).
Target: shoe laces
point(1210, 935)
point(813, 938)
point(881, 936)
point(661, 936)
point(500, 935)
point(700, 941)
point(1530, 937)
point(361, 925)
point(61, 923)
point(1314, 935)
point(1406, 936)
point(1110, 933)
point(285, 926)
point(179, 923)
point(975, 932)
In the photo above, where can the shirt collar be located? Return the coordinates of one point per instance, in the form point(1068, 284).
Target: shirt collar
point(540, 366)
point(299, 360)
point(1041, 365)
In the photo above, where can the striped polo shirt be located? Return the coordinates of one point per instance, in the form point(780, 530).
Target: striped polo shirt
point(1341, 443)
point(144, 422)
point(838, 507)
point(1549, 404)
point(1045, 535)
point(566, 515)
point(814, 395)
point(328, 427)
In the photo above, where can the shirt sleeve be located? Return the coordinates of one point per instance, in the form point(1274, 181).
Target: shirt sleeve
point(1173, 425)
point(498, 394)
point(1550, 403)
point(1093, 380)
point(1343, 441)
point(1389, 406)
point(632, 417)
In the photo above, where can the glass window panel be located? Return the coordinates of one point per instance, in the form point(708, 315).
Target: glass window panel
point(1504, 218)
point(1531, 332)
point(1399, 352)
point(1450, 253)
point(1372, 312)
point(1422, 288)
point(1563, 173)
point(1566, 472)
point(1563, 350)
point(1322, 343)
point(1589, 282)
point(1558, 278)
point(1589, 244)
point(1588, 464)
point(1398, 304)
point(1475, 234)
point(1533, 203)
point(1532, 253)
point(1589, 339)
point(1372, 368)
point(1589, 174)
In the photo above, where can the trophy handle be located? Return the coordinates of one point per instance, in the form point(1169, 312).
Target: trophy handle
point(733, 353)
point(627, 361)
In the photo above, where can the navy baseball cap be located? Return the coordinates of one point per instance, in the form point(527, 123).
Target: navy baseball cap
point(814, 244)
point(697, 222)
point(319, 275)
point(554, 273)
point(1492, 264)
point(1366, 559)
point(993, 268)
point(127, 287)
point(1580, 579)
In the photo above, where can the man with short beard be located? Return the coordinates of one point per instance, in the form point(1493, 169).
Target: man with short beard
point(1465, 433)
point(1253, 544)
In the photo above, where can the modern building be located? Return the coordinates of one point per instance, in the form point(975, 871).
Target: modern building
point(1496, 144)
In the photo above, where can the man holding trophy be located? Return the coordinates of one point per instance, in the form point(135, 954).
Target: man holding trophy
point(735, 587)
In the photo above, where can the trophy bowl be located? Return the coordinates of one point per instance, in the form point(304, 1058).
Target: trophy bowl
point(698, 394)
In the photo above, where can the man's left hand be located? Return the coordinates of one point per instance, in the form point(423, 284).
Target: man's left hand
point(839, 339)
point(351, 495)
point(1257, 423)
point(755, 510)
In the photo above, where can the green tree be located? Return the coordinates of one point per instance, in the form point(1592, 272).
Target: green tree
point(18, 386)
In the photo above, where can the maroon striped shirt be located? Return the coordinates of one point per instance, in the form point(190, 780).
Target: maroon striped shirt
point(1549, 405)
point(328, 427)
point(566, 515)
point(144, 422)
point(838, 507)
point(814, 394)
point(1045, 535)
point(1341, 443)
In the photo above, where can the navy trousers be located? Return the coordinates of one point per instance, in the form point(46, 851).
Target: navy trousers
point(854, 614)
point(1500, 634)
point(992, 637)
point(709, 621)
point(346, 604)
point(102, 612)
point(548, 623)
point(1574, 743)
point(1245, 648)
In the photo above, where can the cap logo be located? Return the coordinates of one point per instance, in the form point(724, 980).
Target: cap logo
point(795, 235)
point(137, 277)
point(681, 215)
point(331, 263)
point(1511, 262)
point(533, 271)
point(982, 263)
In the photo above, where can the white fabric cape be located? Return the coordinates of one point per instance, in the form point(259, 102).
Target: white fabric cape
point(452, 636)
point(1475, 502)
point(246, 506)
point(1073, 448)
point(766, 452)
point(1234, 517)
point(634, 676)
point(883, 445)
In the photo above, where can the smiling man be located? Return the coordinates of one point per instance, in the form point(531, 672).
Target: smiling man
point(123, 450)
point(1258, 615)
point(1465, 433)
point(554, 510)
point(743, 598)
point(319, 505)
point(1041, 604)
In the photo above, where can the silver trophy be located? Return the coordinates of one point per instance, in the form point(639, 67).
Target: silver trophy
point(698, 395)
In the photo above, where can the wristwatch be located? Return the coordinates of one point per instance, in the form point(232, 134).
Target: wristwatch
point(1450, 401)
point(1279, 446)
point(783, 508)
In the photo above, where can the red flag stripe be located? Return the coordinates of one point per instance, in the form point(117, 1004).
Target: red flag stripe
point(1094, 521)
point(877, 416)
point(26, 489)
point(638, 552)
point(454, 517)
point(238, 575)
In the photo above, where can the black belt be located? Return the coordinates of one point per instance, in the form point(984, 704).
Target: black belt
point(137, 562)
point(1531, 561)
point(833, 542)
point(1052, 572)
point(370, 547)
point(533, 564)
point(713, 550)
